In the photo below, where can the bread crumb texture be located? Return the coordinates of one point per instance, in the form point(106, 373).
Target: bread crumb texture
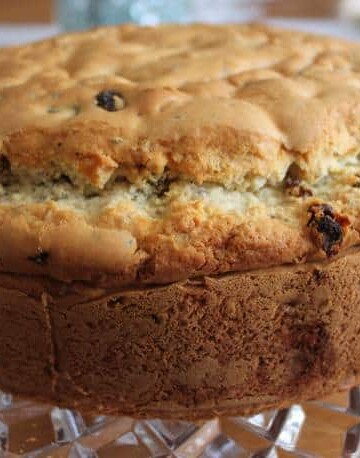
point(137, 155)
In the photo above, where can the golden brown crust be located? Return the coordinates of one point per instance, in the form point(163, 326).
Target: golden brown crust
point(202, 108)
point(225, 345)
point(256, 97)
point(252, 96)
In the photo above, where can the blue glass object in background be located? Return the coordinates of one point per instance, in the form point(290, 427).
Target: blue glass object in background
point(80, 14)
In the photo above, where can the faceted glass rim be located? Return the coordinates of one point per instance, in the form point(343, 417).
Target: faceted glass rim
point(329, 428)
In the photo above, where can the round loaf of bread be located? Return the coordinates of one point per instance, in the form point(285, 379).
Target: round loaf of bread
point(179, 219)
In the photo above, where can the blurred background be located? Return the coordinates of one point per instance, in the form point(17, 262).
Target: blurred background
point(25, 20)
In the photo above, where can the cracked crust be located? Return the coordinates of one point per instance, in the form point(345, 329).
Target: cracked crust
point(147, 155)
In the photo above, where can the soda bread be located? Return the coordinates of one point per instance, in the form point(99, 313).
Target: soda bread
point(179, 219)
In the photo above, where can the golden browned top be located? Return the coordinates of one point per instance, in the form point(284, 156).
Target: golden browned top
point(153, 154)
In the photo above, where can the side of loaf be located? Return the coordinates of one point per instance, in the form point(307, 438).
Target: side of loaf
point(226, 345)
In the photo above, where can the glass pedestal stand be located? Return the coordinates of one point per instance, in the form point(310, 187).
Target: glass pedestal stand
point(327, 428)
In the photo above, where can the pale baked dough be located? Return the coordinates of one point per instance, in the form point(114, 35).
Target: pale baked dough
point(146, 175)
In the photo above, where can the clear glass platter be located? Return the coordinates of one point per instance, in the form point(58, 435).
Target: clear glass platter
point(329, 428)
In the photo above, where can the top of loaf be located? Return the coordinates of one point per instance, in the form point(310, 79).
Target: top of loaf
point(157, 154)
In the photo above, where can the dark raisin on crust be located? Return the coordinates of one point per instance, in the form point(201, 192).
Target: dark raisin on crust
point(63, 179)
point(110, 100)
point(327, 228)
point(40, 258)
point(292, 182)
point(4, 164)
point(162, 185)
point(293, 176)
point(5, 170)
